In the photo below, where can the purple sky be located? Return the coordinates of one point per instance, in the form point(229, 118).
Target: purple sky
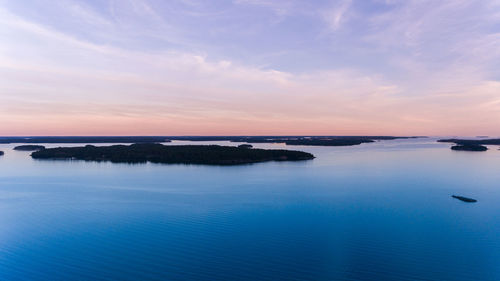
point(249, 67)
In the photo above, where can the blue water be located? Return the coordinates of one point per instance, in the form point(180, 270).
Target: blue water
point(379, 211)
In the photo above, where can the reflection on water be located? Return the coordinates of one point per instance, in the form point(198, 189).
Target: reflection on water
point(376, 211)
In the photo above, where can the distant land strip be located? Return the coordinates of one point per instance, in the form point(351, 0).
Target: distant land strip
point(171, 154)
point(472, 142)
point(289, 140)
point(90, 139)
point(29, 147)
point(471, 145)
point(296, 140)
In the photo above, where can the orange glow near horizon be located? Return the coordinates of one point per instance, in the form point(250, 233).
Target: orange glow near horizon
point(88, 74)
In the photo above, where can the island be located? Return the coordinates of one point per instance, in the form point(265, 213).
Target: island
point(171, 154)
point(469, 147)
point(330, 141)
point(317, 140)
point(245, 146)
point(472, 142)
point(288, 140)
point(465, 199)
point(86, 139)
point(1, 153)
point(29, 147)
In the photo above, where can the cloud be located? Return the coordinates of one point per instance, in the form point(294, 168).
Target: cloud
point(164, 86)
point(451, 33)
point(337, 15)
point(80, 11)
point(68, 84)
point(280, 8)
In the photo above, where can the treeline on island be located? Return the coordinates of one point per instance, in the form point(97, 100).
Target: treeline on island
point(471, 145)
point(29, 147)
point(172, 154)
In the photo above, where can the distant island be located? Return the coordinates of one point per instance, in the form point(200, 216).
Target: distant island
point(317, 140)
point(472, 142)
point(288, 140)
point(91, 139)
point(469, 147)
point(465, 199)
point(1, 153)
point(29, 147)
point(172, 154)
point(245, 146)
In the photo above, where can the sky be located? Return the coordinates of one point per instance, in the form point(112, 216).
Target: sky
point(250, 67)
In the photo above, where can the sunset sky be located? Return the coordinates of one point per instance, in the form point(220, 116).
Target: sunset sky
point(249, 67)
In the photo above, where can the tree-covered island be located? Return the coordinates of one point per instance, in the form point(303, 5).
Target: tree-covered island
point(172, 154)
point(29, 147)
point(471, 145)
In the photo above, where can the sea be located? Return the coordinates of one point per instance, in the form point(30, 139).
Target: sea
point(376, 211)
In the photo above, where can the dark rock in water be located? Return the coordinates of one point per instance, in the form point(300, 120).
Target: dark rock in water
point(469, 147)
point(245, 146)
point(29, 147)
point(1, 153)
point(465, 199)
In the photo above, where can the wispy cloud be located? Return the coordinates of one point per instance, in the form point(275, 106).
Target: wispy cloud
point(281, 8)
point(336, 16)
point(423, 71)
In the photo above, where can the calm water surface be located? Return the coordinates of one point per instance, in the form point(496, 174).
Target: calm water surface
point(378, 211)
